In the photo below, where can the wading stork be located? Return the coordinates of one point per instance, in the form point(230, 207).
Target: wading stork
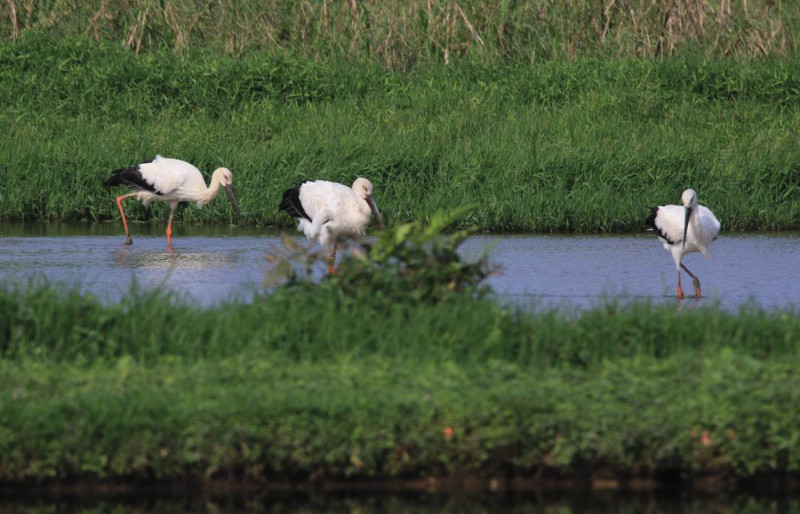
point(172, 181)
point(331, 213)
point(684, 229)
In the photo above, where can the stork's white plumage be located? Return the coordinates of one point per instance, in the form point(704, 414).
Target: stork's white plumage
point(684, 229)
point(331, 213)
point(172, 181)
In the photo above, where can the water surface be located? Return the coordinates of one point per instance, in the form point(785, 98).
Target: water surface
point(209, 264)
point(667, 502)
point(583, 269)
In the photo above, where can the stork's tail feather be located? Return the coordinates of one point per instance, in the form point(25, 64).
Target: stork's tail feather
point(117, 177)
point(292, 205)
point(129, 177)
point(650, 222)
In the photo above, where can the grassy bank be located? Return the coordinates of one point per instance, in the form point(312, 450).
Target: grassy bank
point(312, 385)
point(580, 145)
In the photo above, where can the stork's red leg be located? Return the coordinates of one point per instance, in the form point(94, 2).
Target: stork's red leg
point(128, 239)
point(332, 260)
point(172, 207)
point(169, 230)
point(680, 289)
point(695, 281)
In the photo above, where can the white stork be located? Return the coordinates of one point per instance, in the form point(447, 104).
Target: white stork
point(172, 181)
point(684, 229)
point(330, 212)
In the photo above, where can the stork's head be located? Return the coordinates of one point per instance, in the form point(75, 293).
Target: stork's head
point(363, 188)
point(689, 199)
point(224, 178)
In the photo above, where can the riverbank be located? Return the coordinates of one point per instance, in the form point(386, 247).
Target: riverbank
point(565, 146)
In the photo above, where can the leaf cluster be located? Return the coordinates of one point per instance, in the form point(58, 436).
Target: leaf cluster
point(416, 262)
point(408, 263)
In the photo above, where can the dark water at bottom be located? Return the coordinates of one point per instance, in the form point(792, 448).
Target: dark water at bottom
point(212, 264)
point(413, 503)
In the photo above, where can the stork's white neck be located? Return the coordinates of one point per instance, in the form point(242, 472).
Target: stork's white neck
point(698, 238)
point(211, 191)
point(694, 220)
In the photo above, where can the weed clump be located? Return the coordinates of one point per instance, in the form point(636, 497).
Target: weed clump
point(410, 263)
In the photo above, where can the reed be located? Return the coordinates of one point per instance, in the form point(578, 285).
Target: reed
point(401, 34)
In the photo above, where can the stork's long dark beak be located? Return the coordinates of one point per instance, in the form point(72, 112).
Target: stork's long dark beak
point(232, 196)
point(686, 224)
point(375, 211)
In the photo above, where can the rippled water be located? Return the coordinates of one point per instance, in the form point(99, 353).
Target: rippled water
point(211, 264)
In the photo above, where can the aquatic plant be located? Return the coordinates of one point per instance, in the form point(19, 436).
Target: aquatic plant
point(411, 262)
point(417, 261)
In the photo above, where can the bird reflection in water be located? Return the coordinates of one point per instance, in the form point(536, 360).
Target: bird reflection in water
point(172, 260)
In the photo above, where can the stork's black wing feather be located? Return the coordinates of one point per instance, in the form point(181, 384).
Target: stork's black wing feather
point(291, 203)
point(652, 224)
point(130, 177)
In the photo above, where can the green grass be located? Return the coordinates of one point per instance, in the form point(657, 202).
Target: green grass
point(377, 417)
point(568, 146)
point(309, 383)
point(320, 325)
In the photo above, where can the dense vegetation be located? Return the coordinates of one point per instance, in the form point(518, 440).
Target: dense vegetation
point(309, 385)
point(581, 145)
point(401, 34)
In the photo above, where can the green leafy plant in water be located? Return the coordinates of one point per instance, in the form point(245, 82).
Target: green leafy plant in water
point(413, 262)
point(291, 265)
point(416, 262)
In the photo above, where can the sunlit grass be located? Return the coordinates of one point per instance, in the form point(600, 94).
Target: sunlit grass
point(580, 146)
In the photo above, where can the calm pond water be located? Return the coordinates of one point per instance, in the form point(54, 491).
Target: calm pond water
point(411, 503)
point(210, 263)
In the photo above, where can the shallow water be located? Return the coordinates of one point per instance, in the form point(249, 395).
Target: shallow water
point(211, 264)
point(582, 270)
